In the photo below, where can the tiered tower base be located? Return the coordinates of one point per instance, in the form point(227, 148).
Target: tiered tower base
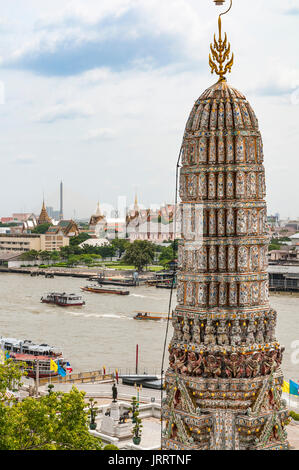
point(224, 414)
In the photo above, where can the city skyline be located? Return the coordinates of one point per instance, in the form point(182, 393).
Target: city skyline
point(96, 95)
point(109, 208)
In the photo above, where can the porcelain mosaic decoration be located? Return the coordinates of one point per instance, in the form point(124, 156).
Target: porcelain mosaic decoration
point(223, 384)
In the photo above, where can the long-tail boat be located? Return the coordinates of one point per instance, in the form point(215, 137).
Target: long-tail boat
point(104, 290)
point(114, 281)
point(151, 316)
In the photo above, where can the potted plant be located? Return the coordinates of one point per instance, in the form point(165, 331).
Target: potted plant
point(137, 428)
point(133, 408)
point(92, 414)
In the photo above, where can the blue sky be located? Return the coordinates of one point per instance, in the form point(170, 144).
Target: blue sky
point(98, 93)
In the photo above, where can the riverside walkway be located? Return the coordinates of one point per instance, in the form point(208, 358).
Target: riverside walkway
point(102, 390)
point(77, 378)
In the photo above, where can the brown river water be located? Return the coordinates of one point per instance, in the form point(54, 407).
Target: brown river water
point(103, 332)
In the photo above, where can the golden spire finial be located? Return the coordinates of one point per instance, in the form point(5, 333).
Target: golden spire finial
point(221, 51)
point(98, 210)
point(136, 208)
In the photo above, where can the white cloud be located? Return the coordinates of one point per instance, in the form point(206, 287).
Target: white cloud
point(94, 76)
point(24, 160)
point(86, 12)
point(100, 134)
point(140, 111)
point(64, 111)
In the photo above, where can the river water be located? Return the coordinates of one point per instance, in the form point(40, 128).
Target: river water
point(103, 332)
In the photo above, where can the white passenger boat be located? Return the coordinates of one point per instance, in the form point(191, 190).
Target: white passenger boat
point(63, 299)
point(28, 353)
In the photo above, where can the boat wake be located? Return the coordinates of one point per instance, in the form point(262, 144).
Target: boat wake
point(139, 295)
point(96, 315)
point(108, 315)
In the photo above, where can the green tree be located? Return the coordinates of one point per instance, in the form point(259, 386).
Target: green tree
point(82, 237)
point(166, 256)
point(72, 260)
point(107, 251)
point(10, 377)
point(88, 260)
point(175, 245)
point(67, 251)
point(277, 243)
point(57, 421)
point(12, 224)
point(140, 253)
point(30, 255)
point(274, 246)
point(42, 228)
point(120, 245)
point(55, 255)
point(44, 255)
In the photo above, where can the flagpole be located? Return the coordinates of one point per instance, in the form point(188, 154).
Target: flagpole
point(37, 377)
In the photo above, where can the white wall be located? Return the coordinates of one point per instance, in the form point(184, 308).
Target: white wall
point(19, 263)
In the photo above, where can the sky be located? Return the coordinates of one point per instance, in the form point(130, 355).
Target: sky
point(97, 94)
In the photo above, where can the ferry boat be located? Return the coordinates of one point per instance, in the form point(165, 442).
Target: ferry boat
point(105, 290)
point(63, 299)
point(29, 353)
point(164, 280)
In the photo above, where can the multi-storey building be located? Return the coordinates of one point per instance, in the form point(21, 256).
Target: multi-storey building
point(27, 242)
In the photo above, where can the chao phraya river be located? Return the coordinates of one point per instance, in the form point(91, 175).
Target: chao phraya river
point(103, 332)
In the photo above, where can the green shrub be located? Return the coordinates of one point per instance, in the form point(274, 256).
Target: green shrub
point(294, 415)
point(110, 447)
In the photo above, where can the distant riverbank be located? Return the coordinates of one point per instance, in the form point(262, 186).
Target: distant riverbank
point(284, 292)
point(76, 272)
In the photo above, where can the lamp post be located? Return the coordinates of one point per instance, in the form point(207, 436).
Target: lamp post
point(36, 377)
point(138, 388)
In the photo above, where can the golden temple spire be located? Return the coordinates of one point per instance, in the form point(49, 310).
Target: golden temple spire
point(44, 218)
point(219, 59)
point(136, 208)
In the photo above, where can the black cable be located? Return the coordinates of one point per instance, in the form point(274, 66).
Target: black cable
point(172, 287)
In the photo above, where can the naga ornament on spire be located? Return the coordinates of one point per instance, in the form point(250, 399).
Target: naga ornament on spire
point(220, 60)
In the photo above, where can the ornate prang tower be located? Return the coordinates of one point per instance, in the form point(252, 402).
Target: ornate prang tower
point(223, 384)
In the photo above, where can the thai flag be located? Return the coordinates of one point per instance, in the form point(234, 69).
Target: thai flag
point(68, 367)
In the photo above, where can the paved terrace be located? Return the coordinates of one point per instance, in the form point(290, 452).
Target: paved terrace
point(102, 394)
point(103, 391)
